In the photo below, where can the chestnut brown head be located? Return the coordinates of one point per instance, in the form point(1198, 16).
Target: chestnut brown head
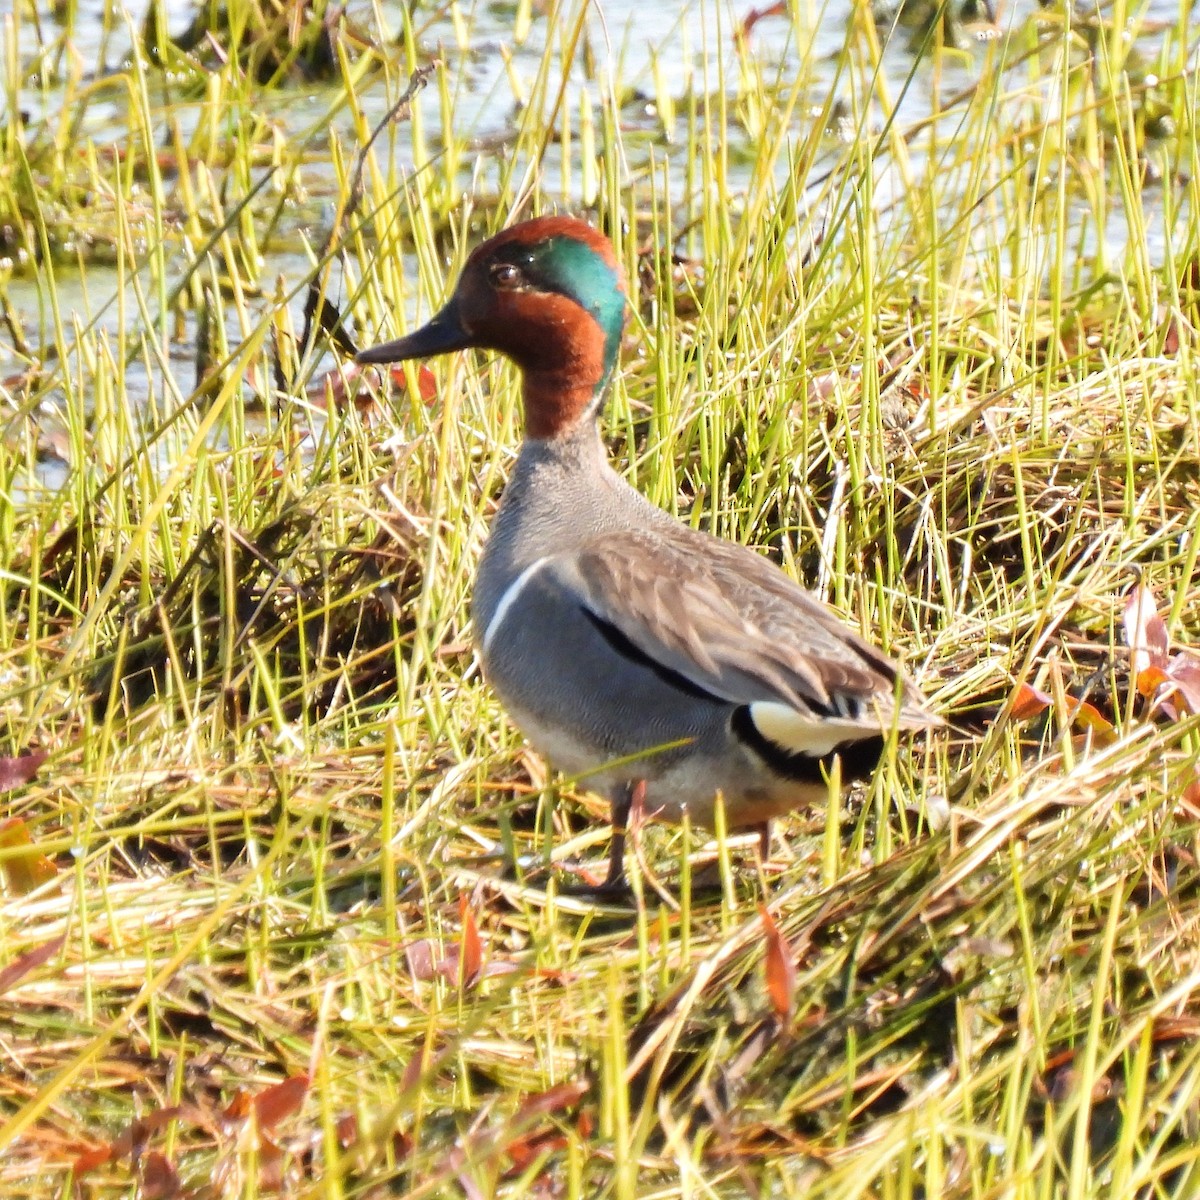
point(550, 295)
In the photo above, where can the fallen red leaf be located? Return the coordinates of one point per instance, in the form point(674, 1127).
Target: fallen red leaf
point(130, 1141)
point(159, 1179)
point(333, 386)
point(280, 1100)
point(19, 770)
point(755, 15)
point(1150, 679)
point(780, 968)
point(24, 963)
point(1029, 701)
point(426, 382)
point(555, 1099)
point(523, 1150)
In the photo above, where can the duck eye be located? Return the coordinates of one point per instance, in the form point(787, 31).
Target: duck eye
point(506, 276)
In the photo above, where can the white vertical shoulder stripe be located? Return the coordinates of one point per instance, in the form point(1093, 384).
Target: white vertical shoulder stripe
point(506, 601)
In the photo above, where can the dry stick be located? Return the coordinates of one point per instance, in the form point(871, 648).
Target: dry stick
point(401, 109)
point(316, 307)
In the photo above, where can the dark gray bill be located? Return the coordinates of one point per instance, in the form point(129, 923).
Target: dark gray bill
point(443, 333)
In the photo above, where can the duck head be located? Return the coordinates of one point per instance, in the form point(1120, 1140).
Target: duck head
point(547, 293)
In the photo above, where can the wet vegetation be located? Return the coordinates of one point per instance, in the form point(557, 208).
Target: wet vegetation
point(286, 905)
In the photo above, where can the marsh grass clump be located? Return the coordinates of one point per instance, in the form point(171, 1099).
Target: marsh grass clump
point(327, 616)
point(274, 43)
point(149, 137)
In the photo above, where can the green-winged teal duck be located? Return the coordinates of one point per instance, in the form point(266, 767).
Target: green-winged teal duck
point(610, 630)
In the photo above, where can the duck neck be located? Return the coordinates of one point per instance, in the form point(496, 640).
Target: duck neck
point(559, 404)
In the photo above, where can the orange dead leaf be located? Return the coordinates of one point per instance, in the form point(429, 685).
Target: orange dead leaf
point(91, 1158)
point(280, 1100)
point(780, 968)
point(1028, 702)
point(131, 1140)
point(523, 1150)
point(1190, 800)
point(470, 945)
point(426, 382)
point(1150, 679)
point(23, 867)
point(1090, 717)
point(333, 386)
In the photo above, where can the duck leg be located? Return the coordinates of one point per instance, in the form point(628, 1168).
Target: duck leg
point(764, 841)
point(630, 798)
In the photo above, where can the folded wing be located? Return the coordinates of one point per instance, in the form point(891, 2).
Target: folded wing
point(720, 619)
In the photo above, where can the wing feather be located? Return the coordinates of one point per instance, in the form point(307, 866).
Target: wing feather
point(730, 623)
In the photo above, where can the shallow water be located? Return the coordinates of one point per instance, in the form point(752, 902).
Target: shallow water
point(651, 52)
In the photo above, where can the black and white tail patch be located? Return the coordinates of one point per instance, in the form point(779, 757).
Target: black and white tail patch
point(801, 747)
